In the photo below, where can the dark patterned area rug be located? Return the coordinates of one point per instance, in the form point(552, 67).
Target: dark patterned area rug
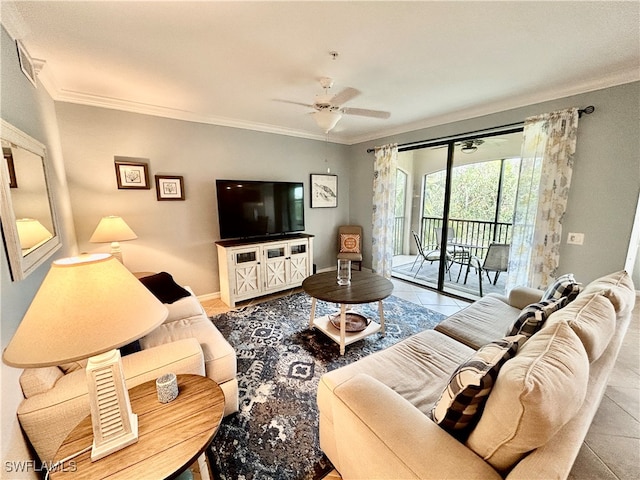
point(280, 360)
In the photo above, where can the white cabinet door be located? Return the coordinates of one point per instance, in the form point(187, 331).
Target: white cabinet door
point(247, 272)
point(298, 261)
point(275, 266)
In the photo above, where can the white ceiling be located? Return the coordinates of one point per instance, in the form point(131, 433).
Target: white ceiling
point(230, 62)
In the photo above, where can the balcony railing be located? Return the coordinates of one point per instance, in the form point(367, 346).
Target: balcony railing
point(475, 234)
point(398, 236)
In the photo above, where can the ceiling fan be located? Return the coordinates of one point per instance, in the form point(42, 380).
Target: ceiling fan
point(328, 109)
point(470, 146)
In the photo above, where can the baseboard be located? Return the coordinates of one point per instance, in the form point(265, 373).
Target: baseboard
point(208, 296)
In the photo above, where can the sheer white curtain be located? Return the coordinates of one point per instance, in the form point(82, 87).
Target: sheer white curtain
point(384, 194)
point(549, 142)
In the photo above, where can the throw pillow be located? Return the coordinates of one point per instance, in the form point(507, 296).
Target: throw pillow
point(564, 286)
point(164, 287)
point(536, 393)
point(460, 405)
point(533, 316)
point(349, 243)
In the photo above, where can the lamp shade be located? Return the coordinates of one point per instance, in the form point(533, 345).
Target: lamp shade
point(31, 232)
point(86, 305)
point(112, 229)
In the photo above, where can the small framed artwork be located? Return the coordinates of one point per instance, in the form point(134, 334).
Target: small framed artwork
point(8, 156)
point(324, 191)
point(169, 187)
point(132, 174)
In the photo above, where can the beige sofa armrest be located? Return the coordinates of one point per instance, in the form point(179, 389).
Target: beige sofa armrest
point(381, 435)
point(520, 297)
point(48, 418)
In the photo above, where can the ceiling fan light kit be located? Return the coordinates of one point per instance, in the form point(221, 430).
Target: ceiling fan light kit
point(328, 108)
point(327, 119)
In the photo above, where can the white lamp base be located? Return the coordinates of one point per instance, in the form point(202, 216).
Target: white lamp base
point(114, 424)
point(116, 251)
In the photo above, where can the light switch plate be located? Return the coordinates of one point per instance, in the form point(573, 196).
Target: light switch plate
point(575, 238)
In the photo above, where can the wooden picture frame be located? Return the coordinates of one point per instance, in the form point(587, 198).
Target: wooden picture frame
point(324, 191)
point(132, 175)
point(8, 156)
point(169, 187)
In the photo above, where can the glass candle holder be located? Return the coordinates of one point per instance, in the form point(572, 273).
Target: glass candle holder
point(344, 272)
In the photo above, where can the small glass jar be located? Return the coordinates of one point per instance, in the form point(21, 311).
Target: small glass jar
point(344, 272)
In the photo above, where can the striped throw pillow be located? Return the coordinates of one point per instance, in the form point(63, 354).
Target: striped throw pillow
point(533, 316)
point(563, 286)
point(462, 401)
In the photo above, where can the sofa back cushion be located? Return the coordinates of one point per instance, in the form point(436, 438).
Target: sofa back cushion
point(461, 403)
point(618, 288)
point(535, 394)
point(533, 316)
point(592, 317)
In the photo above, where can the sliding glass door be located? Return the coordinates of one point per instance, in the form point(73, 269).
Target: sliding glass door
point(466, 196)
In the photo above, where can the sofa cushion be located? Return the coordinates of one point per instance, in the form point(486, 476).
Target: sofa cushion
point(481, 322)
point(219, 357)
point(39, 380)
point(618, 288)
point(535, 394)
point(184, 308)
point(416, 368)
point(563, 286)
point(533, 316)
point(462, 400)
point(592, 317)
point(164, 287)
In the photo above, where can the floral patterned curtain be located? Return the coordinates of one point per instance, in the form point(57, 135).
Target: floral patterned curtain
point(549, 142)
point(384, 194)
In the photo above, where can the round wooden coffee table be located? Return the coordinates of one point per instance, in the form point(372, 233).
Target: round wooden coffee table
point(365, 287)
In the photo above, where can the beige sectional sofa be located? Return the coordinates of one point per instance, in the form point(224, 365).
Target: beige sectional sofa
point(56, 398)
point(376, 415)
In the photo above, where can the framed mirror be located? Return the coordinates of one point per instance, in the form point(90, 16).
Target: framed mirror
point(29, 224)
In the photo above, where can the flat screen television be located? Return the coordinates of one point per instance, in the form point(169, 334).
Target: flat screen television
point(258, 208)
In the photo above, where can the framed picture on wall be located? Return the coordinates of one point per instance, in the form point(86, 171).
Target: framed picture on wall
point(132, 174)
point(324, 191)
point(169, 187)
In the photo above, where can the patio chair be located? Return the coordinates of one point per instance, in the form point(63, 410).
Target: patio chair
point(429, 255)
point(496, 260)
point(455, 253)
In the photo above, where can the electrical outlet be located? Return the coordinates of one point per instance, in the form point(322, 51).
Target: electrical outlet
point(575, 238)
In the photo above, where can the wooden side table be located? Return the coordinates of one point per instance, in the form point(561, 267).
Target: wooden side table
point(171, 436)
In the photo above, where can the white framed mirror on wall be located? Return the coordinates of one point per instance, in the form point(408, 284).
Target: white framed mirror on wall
point(28, 216)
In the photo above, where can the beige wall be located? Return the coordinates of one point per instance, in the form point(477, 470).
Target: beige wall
point(178, 236)
point(605, 183)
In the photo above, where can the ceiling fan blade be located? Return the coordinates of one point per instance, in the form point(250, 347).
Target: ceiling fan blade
point(293, 103)
point(363, 112)
point(344, 96)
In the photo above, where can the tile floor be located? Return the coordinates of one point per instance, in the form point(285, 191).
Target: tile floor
point(612, 447)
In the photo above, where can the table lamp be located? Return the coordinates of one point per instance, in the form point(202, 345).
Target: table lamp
point(113, 229)
point(31, 232)
point(88, 306)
